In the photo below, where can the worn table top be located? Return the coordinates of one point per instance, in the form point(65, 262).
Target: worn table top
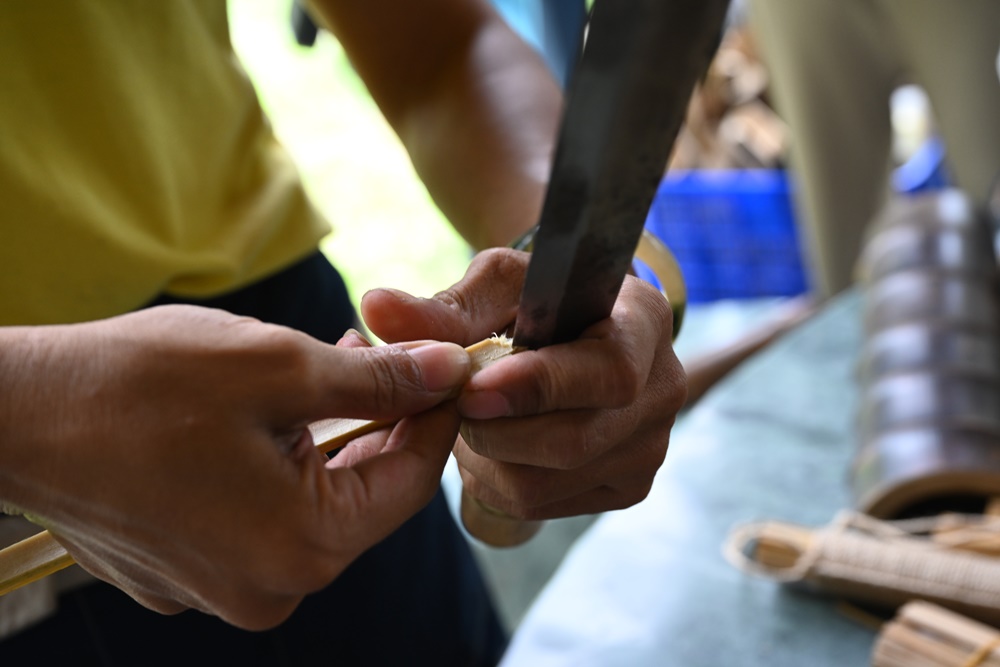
point(649, 585)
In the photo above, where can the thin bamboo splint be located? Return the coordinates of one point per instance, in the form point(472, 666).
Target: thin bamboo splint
point(865, 560)
point(41, 555)
point(926, 635)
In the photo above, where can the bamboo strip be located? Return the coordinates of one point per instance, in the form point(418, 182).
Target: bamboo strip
point(926, 635)
point(30, 560)
point(39, 556)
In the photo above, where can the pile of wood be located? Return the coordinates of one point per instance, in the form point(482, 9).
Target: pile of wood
point(730, 124)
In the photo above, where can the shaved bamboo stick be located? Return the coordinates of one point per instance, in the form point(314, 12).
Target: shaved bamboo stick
point(40, 555)
point(864, 560)
point(30, 560)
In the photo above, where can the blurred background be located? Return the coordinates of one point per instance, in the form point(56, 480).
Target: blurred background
point(354, 167)
point(726, 210)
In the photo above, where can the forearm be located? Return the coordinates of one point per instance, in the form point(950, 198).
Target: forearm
point(483, 144)
point(475, 106)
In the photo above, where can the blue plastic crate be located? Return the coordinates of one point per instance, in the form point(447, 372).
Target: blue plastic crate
point(733, 233)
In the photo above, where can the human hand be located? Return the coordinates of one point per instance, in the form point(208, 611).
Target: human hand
point(569, 429)
point(167, 450)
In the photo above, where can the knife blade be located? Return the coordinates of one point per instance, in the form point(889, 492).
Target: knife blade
point(625, 104)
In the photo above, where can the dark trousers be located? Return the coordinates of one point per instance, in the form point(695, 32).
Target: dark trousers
point(417, 598)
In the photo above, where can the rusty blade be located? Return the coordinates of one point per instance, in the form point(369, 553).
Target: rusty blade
point(625, 104)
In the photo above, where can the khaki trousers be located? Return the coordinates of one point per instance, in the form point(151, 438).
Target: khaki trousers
point(834, 65)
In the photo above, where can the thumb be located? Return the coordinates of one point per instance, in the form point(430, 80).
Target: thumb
point(391, 381)
point(482, 303)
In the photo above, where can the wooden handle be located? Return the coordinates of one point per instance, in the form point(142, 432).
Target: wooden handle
point(40, 555)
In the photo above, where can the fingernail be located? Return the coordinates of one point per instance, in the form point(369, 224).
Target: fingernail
point(354, 333)
point(398, 294)
point(353, 338)
point(442, 365)
point(483, 405)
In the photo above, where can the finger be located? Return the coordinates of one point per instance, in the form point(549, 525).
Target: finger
point(607, 367)
point(360, 449)
point(484, 302)
point(569, 439)
point(377, 495)
point(522, 485)
point(526, 492)
point(604, 498)
point(563, 440)
point(385, 383)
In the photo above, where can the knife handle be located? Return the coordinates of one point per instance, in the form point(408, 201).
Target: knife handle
point(495, 527)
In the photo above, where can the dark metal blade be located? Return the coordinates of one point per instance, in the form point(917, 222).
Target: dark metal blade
point(626, 102)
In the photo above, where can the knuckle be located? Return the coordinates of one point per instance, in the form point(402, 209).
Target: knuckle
point(514, 489)
point(281, 351)
point(477, 438)
point(542, 387)
point(454, 298)
point(502, 262)
point(629, 379)
point(493, 277)
point(392, 373)
point(573, 448)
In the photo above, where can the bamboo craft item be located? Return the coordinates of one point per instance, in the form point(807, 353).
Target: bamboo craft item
point(929, 369)
point(41, 555)
point(926, 635)
point(879, 563)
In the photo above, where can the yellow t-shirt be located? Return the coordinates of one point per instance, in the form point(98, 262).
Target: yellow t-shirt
point(134, 160)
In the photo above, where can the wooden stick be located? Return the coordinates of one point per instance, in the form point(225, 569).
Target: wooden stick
point(31, 559)
point(707, 368)
point(40, 555)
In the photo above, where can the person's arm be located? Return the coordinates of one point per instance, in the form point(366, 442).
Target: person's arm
point(167, 450)
point(475, 106)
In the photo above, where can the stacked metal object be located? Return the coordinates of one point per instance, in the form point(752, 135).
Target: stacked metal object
point(929, 371)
